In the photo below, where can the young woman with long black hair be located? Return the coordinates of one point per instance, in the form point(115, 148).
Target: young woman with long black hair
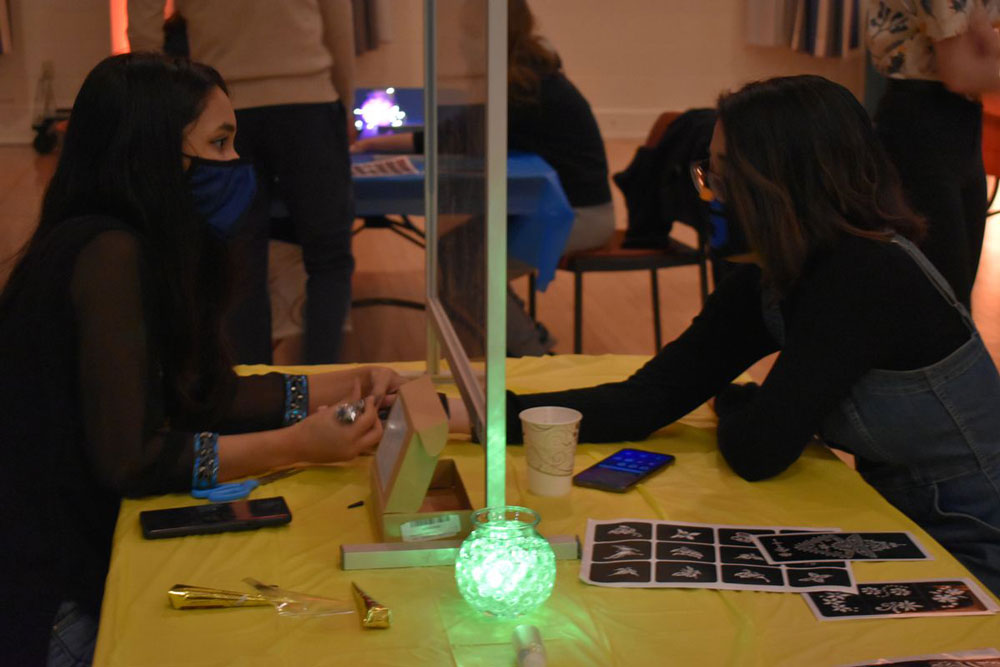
point(876, 354)
point(115, 378)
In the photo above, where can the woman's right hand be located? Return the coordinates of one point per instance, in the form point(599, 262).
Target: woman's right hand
point(322, 438)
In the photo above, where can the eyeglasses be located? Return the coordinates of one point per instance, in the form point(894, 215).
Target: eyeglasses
point(708, 184)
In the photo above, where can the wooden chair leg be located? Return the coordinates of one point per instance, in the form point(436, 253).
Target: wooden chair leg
point(577, 312)
point(531, 295)
point(657, 330)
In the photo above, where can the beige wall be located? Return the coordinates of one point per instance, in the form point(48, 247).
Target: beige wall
point(631, 59)
point(71, 34)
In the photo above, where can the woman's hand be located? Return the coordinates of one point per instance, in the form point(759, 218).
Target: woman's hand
point(321, 438)
point(348, 385)
point(382, 383)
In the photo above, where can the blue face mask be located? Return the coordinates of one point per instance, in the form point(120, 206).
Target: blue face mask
point(222, 191)
point(726, 237)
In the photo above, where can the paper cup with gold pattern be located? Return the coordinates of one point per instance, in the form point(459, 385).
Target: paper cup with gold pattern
point(550, 437)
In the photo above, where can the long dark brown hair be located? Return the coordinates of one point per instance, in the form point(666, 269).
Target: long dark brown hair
point(803, 167)
point(122, 158)
point(528, 58)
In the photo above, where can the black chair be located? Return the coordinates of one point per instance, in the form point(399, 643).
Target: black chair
point(614, 257)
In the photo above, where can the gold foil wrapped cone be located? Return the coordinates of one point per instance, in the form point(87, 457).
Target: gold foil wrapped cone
point(373, 614)
point(182, 596)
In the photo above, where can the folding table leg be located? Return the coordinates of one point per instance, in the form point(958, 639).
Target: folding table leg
point(577, 312)
point(532, 295)
point(657, 333)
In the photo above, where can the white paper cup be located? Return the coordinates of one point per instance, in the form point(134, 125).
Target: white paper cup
point(550, 437)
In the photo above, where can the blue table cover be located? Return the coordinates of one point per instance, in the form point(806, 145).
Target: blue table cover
point(539, 217)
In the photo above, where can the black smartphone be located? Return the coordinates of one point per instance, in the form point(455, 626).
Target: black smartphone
point(214, 518)
point(622, 470)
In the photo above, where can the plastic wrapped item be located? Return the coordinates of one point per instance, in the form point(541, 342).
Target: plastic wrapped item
point(529, 647)
point(288, 603)
point(182, 596)
point(294, 603)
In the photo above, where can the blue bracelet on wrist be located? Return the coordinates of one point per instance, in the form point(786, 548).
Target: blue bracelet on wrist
point(296, 398)
point(205, 472)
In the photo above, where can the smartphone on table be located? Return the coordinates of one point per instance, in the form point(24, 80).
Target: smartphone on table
point(622, 470)
point(214, 517)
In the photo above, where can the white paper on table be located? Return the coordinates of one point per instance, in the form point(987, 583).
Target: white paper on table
point(397, 165)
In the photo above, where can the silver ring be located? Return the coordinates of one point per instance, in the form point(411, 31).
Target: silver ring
point(347, 413)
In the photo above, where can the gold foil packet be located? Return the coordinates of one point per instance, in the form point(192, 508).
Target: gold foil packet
point(373, 614)
point(182, 596)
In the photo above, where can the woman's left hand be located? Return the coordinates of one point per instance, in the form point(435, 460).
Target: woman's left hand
point(382, 383)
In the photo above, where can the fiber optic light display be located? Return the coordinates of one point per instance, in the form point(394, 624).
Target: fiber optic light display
point(505, 568)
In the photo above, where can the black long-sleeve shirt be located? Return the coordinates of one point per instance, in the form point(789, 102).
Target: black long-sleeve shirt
point(83, 422)
point(559, 126)
point(859, 306)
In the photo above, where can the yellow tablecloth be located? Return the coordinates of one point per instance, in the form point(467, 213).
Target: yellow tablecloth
point(580, 624)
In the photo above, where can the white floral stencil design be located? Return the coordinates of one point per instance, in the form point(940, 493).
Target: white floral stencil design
point(625, 572)
point(844, 547)
point(889, 590)
point(747, 574)
point(685, 551)
point(743, 538)
point(623, 551)
point(750, 556)
point(837, 602)
point(688, 572)
point(815, 578)
point(899, 606)
point(627, 531)
point(949, 596)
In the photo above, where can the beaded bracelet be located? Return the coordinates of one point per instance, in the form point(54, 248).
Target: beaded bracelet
point(205, 473)
point(296, 398)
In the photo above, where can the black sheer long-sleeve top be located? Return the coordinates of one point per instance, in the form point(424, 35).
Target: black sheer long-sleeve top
point(862, 305)
point(83, 419)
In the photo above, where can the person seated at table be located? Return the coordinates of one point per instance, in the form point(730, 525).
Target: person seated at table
point(876, 355)
point(546, 115)
point(114, 377)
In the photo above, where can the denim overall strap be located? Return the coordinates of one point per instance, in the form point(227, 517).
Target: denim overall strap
point(928, 440)
point(936, 278)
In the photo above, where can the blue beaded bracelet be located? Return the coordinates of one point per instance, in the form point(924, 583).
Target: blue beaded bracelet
point(205, 473)
point(296, 398)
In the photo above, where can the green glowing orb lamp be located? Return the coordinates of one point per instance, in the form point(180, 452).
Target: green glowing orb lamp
point(505, 568)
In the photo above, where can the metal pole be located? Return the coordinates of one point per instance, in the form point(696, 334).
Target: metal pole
point(430, 180)
point(496, 252)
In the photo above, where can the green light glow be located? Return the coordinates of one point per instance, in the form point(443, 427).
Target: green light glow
point(496, 253)
point(505, 568)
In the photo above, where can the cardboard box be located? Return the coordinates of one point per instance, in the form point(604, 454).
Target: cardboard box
point(416, 497)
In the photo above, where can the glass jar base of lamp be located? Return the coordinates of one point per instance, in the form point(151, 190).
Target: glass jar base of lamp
point(505, 568)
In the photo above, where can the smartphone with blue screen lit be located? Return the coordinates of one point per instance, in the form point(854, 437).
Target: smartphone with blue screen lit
point(622, 470)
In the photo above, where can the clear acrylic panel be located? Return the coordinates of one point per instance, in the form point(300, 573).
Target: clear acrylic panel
point(466, 146)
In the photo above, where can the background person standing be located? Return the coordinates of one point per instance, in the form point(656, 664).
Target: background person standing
point(289, 66)
point(939, 56)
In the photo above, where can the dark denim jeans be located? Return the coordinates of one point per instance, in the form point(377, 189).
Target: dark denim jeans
point(301, 155)
point(74, 635)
